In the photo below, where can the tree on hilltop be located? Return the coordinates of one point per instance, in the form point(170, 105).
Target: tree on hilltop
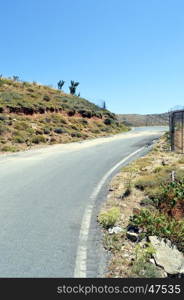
point(104, 105)
point(15, 78)
point(60, 84)
point(73, 87)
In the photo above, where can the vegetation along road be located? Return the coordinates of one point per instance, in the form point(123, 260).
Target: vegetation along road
point(50, 198)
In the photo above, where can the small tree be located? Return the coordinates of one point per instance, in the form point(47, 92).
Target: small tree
point(73, 87)
point(15, 78)
point(60, 84)
point(104, 105)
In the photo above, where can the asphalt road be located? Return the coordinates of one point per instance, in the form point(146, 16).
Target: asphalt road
point(44, 195)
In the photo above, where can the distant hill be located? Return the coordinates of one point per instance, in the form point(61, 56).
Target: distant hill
point(32, 114)
point(144, 120)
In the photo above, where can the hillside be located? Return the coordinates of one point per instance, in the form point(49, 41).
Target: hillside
point(144, 120)
point(32, 114)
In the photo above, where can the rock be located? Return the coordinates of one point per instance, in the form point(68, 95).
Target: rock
point(167, 256)
point(132, 228)
point(133, 233)
point(132, 236)
point(152, 261)
point(148, 168)
point(115, 229)
point(33, 125)
point(165, 162)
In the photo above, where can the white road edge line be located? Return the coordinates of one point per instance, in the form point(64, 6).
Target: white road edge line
point(80, 270)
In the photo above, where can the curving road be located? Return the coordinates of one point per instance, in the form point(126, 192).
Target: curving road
point(49, 199)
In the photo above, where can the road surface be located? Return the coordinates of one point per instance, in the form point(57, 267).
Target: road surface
point(49, 199)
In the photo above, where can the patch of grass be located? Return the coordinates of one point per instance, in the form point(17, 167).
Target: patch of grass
point(113, 242)
point(181, 160)
point(142, 268)
point(157, 169)
point(3, 129)
point(9, 148)
point(21, 125)
point(109, 218)
point(37, 139)
point(76, 134)
point(149, 182)
point(18, 139)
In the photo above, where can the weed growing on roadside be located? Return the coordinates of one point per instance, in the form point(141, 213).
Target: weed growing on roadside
point(108, 218)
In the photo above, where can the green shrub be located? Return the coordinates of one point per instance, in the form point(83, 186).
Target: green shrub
point(3, 129)
point(71, 112)
point(63, 121)
point(8, 148)
point(147, 202)
point(46, 98)
point(172, 192)
point(85, 113)
point(141, 266)
point(145, 269)
point(74, 127)
point(46, 130)
point(105, 129)
point(30, 130)
point(83, 121)
point(95, 131)
point(21, 125)
point(18, 139)
point(59, 130)
point(156, 223)
point(108, 121)
point(37, 139)
point(30, 90)
point(3, 118)
point(109, 218)
point(76, 134)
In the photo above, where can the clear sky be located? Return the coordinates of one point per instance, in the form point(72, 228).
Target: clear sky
point(129, 53)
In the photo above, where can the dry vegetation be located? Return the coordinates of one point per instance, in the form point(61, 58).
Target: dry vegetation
point(147, 198)
point(32, 114)
point(145, 120)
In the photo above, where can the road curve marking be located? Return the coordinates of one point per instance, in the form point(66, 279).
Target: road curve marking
point(80, 270)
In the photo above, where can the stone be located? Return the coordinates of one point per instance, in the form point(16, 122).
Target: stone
point(152, 261)
point(115, 229)
point(132, 236)
point(167, 256)
point(132, 228)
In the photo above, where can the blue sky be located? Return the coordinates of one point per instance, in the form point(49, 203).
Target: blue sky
point(129, 53)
